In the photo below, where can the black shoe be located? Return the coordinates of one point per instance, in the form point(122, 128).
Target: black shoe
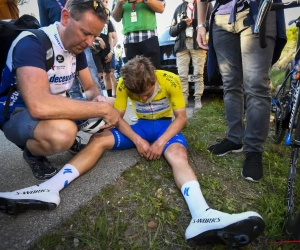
point(253, 169)
point(224, 147)
point(77, 146)
point(40, 166)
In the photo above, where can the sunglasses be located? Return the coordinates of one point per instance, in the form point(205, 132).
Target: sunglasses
point(98, 5)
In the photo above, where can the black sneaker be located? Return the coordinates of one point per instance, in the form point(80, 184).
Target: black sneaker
point(253, 169)
point(77, 146)
point(40, 166)
point(224, 147)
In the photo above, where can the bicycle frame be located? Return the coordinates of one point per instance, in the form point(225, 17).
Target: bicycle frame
point(293, 102)
point(296, 95)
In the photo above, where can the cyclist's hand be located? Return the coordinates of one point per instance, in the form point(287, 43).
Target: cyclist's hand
point(201, 38)
point(142, 147)
point(155, 151)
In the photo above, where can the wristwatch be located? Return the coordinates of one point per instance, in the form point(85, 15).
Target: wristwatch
point(145, 1)
point(201, 25)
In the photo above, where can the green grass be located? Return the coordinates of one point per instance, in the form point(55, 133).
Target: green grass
point(277, 77)
point(119, 217)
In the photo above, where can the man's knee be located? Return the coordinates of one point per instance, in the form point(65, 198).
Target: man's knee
point(61, 137)
point(104, 140)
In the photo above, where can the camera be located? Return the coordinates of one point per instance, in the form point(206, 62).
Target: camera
point(184, 18)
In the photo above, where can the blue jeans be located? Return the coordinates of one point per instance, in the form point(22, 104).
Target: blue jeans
point(75, 91)
point(245, 69)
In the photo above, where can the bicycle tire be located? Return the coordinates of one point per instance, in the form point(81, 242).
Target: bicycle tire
point(292, 221)
point(282, 115)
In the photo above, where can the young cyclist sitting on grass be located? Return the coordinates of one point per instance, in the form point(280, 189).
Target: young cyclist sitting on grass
point(155, 96)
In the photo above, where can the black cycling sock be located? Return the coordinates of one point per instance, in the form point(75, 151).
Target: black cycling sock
point(109, 92)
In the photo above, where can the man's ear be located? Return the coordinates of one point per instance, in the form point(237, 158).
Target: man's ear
point(65, 17)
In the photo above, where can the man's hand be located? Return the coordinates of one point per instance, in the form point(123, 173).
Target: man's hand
point(201, 38)
point(100, 98)
point(155, 150)
point(108, 57)
point(188, 22)
point(101, 42)
point(111, 118)
point(142, 147)
point(122, 1)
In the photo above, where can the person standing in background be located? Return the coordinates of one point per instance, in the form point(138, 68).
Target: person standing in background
point(9, 9)
point(104, 57)
point(113, 64)
point(50, 11)
point(183, 27)
point(139, 28)
point(245, 69)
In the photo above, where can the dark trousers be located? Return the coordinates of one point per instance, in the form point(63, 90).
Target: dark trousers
point(148, 48)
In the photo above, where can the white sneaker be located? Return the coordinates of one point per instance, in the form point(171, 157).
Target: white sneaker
point(232, 230)
point(30, 198)
point(198, 105)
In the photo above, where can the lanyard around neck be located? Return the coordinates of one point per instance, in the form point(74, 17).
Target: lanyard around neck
point(133, 7)
point(191, 9)
point(59, 4)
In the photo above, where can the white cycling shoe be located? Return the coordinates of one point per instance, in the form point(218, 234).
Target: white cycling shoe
point(232, 230)
point(30, 198)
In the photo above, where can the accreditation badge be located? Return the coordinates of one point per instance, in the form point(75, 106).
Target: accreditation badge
point(133, 17)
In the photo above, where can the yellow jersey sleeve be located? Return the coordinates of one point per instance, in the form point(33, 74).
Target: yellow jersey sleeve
point(173, 88)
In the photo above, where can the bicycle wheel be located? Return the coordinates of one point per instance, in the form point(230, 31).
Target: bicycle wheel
point(282, 112)
point(292, 222)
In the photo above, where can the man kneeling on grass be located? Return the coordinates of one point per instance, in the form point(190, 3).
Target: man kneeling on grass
point(155, 96)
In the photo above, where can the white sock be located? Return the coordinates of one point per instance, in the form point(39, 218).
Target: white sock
point(194, 198)
point(62, 179)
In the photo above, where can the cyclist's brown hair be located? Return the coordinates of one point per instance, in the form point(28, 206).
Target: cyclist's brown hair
point(138, 74)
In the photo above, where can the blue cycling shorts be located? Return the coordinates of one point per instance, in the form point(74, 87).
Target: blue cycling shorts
point(149, 130)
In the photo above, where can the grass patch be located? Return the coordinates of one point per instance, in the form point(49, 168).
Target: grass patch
point(277, 77)
point(145, 210)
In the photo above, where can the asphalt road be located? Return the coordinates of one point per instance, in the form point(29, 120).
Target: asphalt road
point(22, 231)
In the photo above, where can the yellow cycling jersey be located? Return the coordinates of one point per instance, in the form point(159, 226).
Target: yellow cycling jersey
point(169, 97)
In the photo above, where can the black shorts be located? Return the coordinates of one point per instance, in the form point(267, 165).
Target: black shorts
point(99, 60)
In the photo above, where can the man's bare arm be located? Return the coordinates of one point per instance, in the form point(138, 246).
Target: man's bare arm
point(202, 8)
point(117, 13)
point(91, 90)
point(34, 87)
point(155, 5)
